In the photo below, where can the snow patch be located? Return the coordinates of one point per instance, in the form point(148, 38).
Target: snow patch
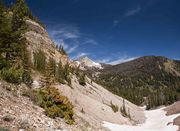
point(94, 64)
point(156, 121)
point(84, 61)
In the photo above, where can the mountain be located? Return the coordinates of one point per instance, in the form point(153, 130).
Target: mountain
point(149, 64)
point(86, 62)
point(42, 89)
point(150, 80)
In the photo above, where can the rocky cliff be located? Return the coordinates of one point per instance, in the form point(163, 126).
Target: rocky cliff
point(38, 39)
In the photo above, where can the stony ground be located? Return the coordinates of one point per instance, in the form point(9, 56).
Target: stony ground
point(91, 105)
point(174, 109)
point(19, 112)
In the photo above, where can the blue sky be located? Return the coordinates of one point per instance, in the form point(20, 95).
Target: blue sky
point(112, 31)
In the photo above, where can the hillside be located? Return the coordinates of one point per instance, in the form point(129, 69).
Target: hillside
point(42, 89)
point(150, 80)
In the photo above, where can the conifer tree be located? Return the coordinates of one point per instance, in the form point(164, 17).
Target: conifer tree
point(63, 51)
point(10, 46)
point(66, 70)
point(82, 80)
point(123, 109)
point(3, 26)
point(2, 6)
point(40, 61)
point(27, 79)
point(57, 46)
point(60, 73)
point(50, 72)
point(20, 11)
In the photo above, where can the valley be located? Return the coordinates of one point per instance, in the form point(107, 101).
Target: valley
point(43, 89)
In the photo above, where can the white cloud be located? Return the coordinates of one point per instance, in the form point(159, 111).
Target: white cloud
point(133, 11)
point(61, 33)
point(122, 60)
point(113, 59)
point(90, 41)
point(105, 60)
point(69, 36)
point(64, 32)
point(72, 49)
point(80, 55)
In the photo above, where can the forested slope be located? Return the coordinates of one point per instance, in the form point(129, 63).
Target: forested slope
point(150, 80)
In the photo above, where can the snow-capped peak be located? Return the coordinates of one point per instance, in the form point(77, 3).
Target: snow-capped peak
point(84, 61)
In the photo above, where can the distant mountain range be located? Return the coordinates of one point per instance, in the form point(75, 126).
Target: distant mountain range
point(150, 77)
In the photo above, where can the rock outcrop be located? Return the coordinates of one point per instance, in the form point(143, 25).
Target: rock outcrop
point(38, 39)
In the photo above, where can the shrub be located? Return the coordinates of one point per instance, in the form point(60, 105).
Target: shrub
point(114, 107)
point(82, 80)
point(12, 75)
point(82, 111)
point(55, 105)
point(8, 118)
point(63, 74)
point(123, 110)
point(3, 63)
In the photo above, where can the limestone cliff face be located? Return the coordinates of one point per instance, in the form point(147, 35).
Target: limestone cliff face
point(38, 39)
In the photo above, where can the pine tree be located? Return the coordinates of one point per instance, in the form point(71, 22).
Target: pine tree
point(63, 51)
point(20, 11)
point(50, 72)
point(57, 46)
point(52, 64)
point(60, 73)
point(10, 46)
point(82, 80)
point(66, 71)
point(2, 6)
point(123, 109)
point(40, 61)
point(27, 79)
point(3, 27)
